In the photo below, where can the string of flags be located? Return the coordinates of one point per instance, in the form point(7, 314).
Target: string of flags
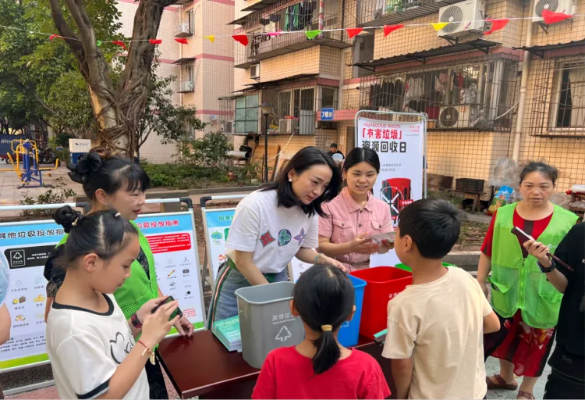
point(549, 18)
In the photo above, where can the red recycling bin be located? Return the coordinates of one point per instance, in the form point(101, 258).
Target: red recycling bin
point(383, 284)
point(397, 194)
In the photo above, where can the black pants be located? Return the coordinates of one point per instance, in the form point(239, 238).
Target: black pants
point(561, 386)
point(156, 380)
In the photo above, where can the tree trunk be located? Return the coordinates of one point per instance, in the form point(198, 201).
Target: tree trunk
point(117, 110)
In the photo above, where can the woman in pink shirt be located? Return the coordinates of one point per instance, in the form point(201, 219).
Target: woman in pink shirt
point(355, 213)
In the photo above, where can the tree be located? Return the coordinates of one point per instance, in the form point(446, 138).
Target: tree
point(170, 122)
point(117, 108)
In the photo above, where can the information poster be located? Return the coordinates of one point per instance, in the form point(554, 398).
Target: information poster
point(25, 247)
point(217, 228)
point(400, 146)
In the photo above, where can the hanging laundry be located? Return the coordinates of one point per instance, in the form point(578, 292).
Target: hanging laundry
point(443, 77)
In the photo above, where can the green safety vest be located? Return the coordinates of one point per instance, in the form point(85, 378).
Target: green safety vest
point(137, 289)
point(518, 283)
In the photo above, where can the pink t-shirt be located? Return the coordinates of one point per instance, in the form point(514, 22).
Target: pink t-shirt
point(346, 220)
point(286, 374)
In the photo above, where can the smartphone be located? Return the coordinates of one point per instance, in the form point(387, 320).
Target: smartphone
point(175, 313)
point(521, 235)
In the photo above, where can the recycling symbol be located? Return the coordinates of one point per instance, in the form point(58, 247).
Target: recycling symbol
point(283, 334)
point(284, 237)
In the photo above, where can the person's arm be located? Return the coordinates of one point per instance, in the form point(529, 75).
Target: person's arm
point(183, 325)
point(357, 245)
point(5, 324)
point(245, 264)
point(402, 374)
point(491, 323)
point(483, 270)
point(310, 256)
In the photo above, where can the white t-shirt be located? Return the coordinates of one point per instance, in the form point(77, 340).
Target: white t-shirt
point(274, 234)
point(440, 324)
point(86, 347)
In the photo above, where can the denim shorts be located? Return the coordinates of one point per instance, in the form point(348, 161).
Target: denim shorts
point(224, 303)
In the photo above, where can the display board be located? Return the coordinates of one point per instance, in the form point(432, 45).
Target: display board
point(25, 247)
point(217, 226)
point(401, 149)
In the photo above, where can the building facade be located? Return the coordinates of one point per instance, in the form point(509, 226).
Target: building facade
point(518, 92)
point(204, 70)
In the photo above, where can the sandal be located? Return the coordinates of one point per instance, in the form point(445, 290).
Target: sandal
point(500, 383)
point(525, 395)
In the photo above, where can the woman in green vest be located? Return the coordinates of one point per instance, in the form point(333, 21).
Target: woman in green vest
point(526, 303)
point(113, 182)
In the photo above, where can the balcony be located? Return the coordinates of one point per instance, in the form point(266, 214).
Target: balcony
point(186, 87)
point(184, 30)
point(263, 46)
point(389, 12)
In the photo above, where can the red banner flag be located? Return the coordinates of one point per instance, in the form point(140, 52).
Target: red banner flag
point(155, 41)
point(53, 36)
point(181, 40)
point(351, 32)
point(497, 24)
point(119, 43)
point(243, 39)
point(553, 17)
point(388, 29)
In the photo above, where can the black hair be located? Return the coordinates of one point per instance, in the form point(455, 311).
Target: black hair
point(104, 233)
point(547, 170)
point(324, 295)
point(433, 225)
point(101, 170)
point(301, 161)
point(333, 145)
point(360, 154)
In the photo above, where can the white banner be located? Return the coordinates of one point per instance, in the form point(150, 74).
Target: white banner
point(400, 146)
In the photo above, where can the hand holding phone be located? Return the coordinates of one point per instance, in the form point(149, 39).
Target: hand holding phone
point(168, 300)
point(524, 237)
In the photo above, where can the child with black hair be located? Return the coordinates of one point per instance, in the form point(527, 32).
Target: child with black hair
point(90, 344)
point(319, 367)
point(436, 325)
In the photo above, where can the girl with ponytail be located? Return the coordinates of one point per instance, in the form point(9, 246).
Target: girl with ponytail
point(319, 367)
point(113, 182)
point(90, 343)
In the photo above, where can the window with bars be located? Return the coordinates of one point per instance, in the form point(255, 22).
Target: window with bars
point(568, 101)
point(468, 96)
point(247, 114)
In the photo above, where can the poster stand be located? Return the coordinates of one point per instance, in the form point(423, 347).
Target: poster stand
point(216, 224)
point(400, 139)
point(25, 246)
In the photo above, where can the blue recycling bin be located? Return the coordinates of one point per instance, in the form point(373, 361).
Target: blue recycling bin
point(350, 330)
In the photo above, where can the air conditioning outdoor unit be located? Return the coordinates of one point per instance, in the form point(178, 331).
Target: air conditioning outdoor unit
point(183, 30)
point(187, 86)
point(458, 117)
point(559, 6)
point(464, 18)
point(227, 126)
point(288, 125)
point(255, 71)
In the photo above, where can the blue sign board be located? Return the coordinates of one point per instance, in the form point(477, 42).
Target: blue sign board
point(327, 114)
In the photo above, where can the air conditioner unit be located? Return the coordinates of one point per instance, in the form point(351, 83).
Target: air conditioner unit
point(187, 86)
point(288, 125)
point(183, 30)
point(255, 71)
point(227, 126)
point(458, 117)
point(464, 18)
point(559, 6)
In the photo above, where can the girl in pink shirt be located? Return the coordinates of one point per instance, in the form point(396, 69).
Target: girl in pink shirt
point(355, 213)
point(319, 367)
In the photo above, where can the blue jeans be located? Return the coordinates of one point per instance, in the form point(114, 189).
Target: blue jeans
point(224, 303)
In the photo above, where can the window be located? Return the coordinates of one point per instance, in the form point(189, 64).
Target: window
point(247, 114)
point(363, 51)
point(569, 98)
point(190, 20)
point(328, 97)
point(293, 103)
point(482, 91)
point(187, 72)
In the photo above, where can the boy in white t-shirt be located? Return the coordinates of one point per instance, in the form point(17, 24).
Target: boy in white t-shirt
point(436, 325)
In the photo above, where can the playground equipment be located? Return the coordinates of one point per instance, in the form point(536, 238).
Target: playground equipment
point(30, 171)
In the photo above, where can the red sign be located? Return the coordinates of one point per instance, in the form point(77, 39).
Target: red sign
point(168, 243)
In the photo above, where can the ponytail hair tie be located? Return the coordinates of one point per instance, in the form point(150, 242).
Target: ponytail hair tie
point(326, 328)
point(75, 222)
point(117, 215)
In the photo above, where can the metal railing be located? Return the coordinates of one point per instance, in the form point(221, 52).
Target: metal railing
point(387, 12)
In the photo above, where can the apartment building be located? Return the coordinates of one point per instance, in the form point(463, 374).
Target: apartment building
point(469, 83)
point(204, 70)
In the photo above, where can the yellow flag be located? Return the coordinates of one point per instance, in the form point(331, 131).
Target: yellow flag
point(440, 25)
point(211, 38)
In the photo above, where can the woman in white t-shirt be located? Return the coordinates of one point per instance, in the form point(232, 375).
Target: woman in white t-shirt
point(274, 224)
point(89, 341)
